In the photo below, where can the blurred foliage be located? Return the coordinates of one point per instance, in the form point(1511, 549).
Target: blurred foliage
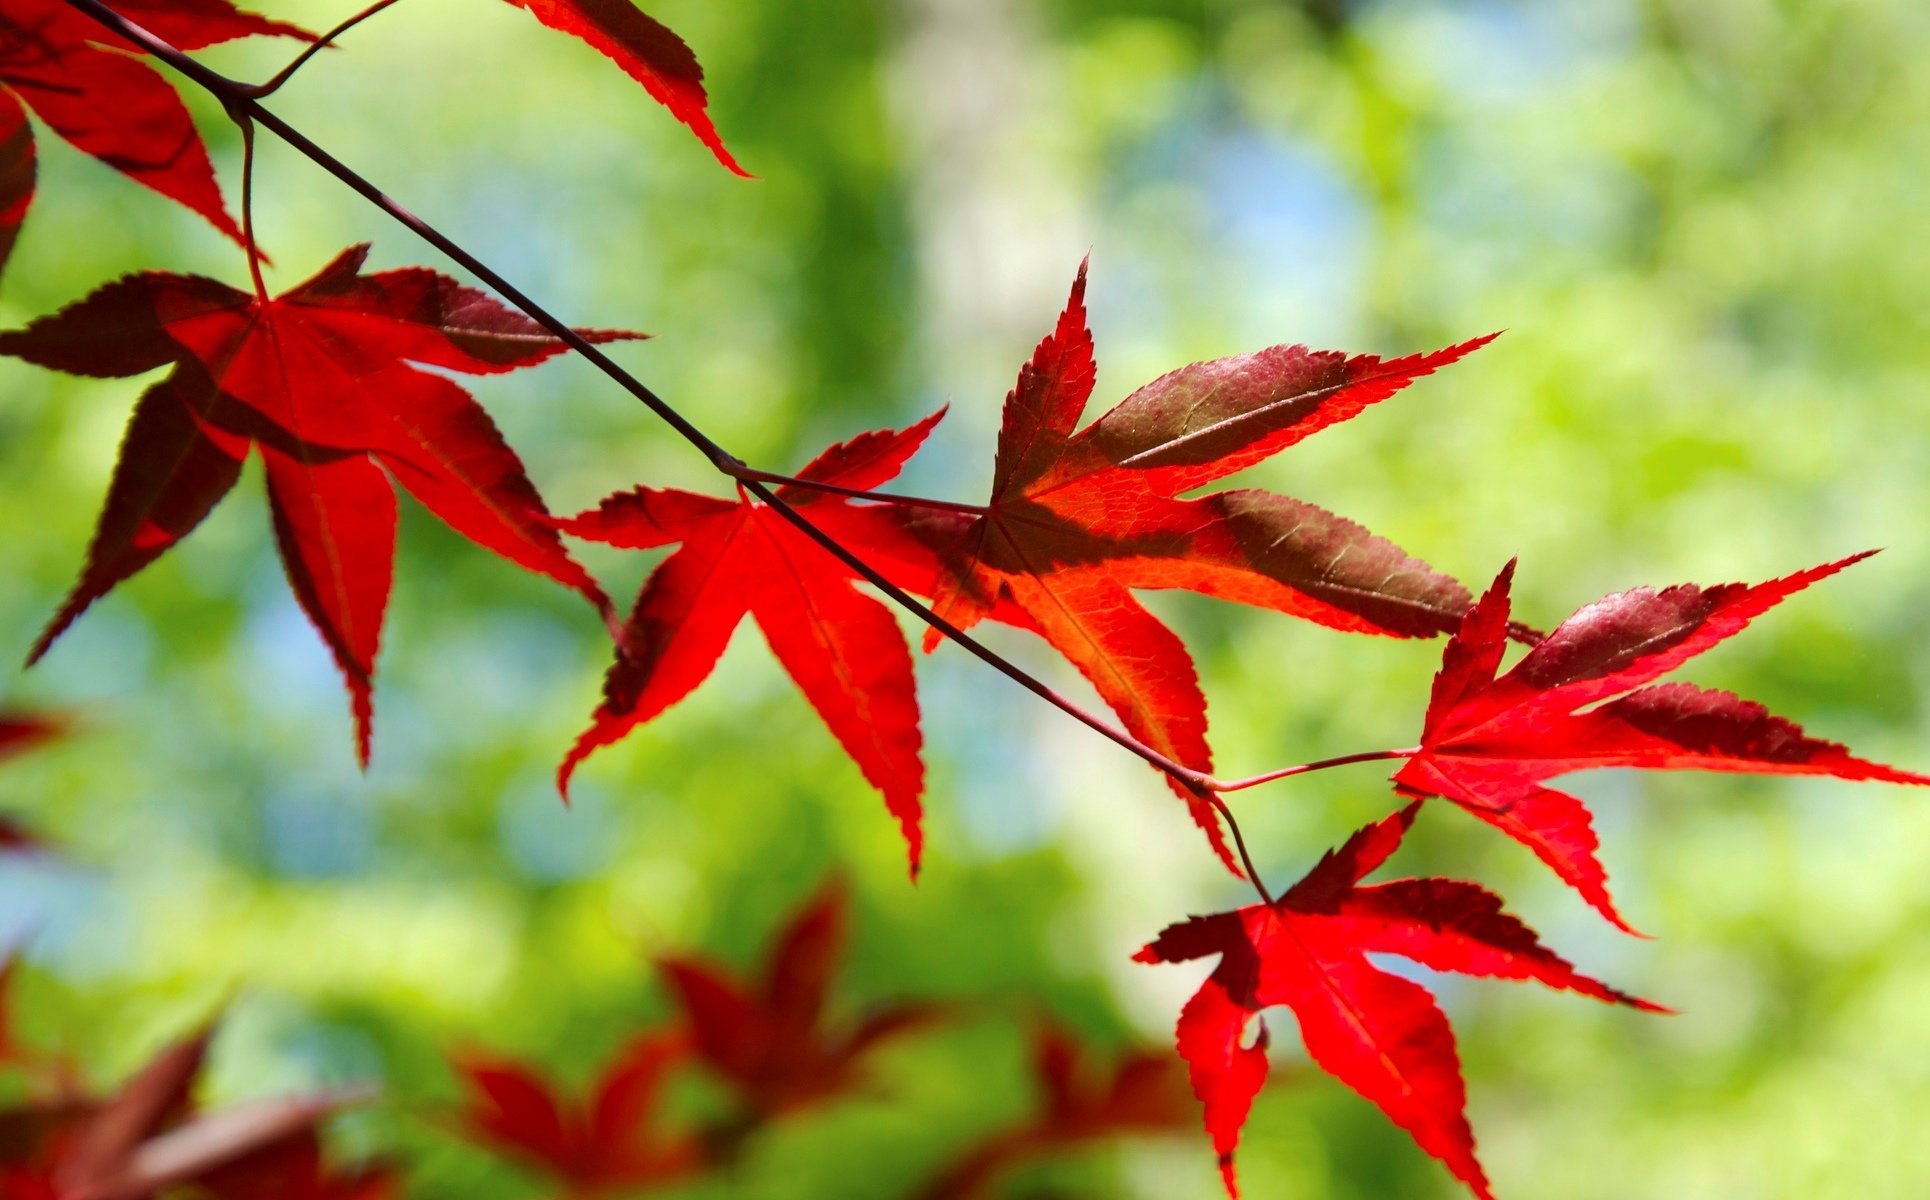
point(1699, 219)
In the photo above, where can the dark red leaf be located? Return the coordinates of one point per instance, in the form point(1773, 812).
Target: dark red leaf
point(647, 51)
point(321, 380)
point(1488, 743)
point(1379, 1034)
point(1079, 518)
point(843, 647)
point(1141, 1092)
point(606, 1141)
point(20, 732)
point(293, 1168)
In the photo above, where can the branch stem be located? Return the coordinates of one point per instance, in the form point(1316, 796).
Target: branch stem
point(746, 474)
point(1237, 785)
point(1239, 844)
point(248, 206)
point(259, 90)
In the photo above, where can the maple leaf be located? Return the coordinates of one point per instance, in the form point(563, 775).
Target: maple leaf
point(1076, 520)
point(1489, 743)
point(606, 1142)
point(20, 732)
point(1379, 1034)
point(648, 51)
point(293, 1168)
point(80, 79)
point(147, 1136)
point(1143, 1092)
point(737, 557)
point(319, 380)
point(769, 1040)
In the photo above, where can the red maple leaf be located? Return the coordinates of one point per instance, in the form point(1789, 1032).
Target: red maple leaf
point(1142, 1092)
point(1379, 1034)
point(605, 1143)
point(147, 1137)
point(294, 1168)
point(80, 79)
point(1489, 743)
point(648, 51)
point(20, 732)
point(843, 647)
point(770, 1040)
point(1077, 520)
point(320, 381)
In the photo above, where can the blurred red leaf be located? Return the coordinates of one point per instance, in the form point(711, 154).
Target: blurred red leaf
point(607, 1142)
point(1078, 1104)
point(148, 1136)
point(769, 1039)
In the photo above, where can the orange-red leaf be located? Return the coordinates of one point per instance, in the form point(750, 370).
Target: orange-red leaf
point(648, 51)
point(1578, 701)
point(1379, 1034)
point(322, 381)
point(843, 647)
point(1079, 518)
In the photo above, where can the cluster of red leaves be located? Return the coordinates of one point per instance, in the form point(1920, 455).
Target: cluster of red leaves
point(148, 1136)
point(769, 1042)
point(324, 382)
point(1077, 520)
point(1575, 701)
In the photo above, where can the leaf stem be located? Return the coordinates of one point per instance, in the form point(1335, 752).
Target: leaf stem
point(1323, 764)
point(1239, 844)
point(258, 90)
point(240, 103)
point(248, 204)
point(744, 473)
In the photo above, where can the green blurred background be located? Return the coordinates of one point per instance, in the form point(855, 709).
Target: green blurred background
point(1701, 222)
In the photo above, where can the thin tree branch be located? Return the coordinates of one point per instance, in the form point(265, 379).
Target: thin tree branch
point(1343, 760)
point(744, 473)
point(259, 90)
point(248, 206)
point(240, 103)
point(1239, 843)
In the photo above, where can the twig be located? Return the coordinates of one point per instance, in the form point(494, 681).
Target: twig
point(748, 474)
point(258, 90)
point(1343, 760)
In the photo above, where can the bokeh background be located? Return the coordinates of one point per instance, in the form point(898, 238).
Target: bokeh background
point(1701, 223)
